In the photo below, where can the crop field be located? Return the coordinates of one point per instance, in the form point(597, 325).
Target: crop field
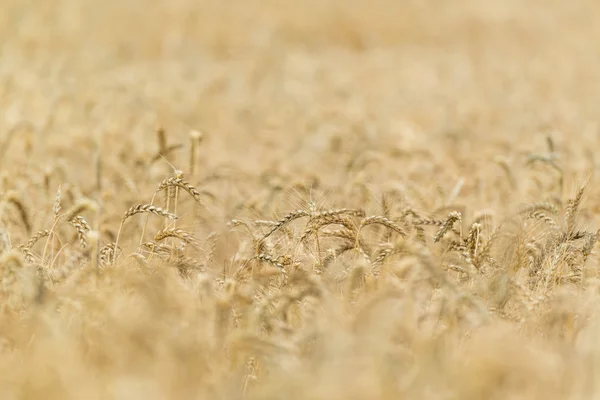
point(299, 200)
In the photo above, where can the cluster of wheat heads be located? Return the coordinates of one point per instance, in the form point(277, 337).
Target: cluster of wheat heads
point(319, 302)
point(346, 199)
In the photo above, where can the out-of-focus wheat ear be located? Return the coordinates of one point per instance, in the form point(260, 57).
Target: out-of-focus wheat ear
point(4, 241)
point(142, 209)
point(485, 254)
point(14, 199)
point(174, 233)
point(572, 209)
point(504, 164)
point(285, 220)
point(107, 254)
point(386, 206)
point(196, 138)
point(279, 262)
point(386, 211)
point(409, 211)
point(384, 253)
point(455, 191)
point(82, 227)
point(20, 129)
point(211, 240)
point(428, 221)
point(540, 215)
point(57, 206)
point(47, 180)
point(449, 222)
point(80, 207)
point(353, 212)
point(27, 254)
point(34, 239)
point(484, 218)
point(161, 136)
point(551, 160)
point(472, 242)
point(381, 220)
point(591, 241)
point(341, 233)
point(550, 144)
point(11, 260)
point(546, 206)
point(94, 243)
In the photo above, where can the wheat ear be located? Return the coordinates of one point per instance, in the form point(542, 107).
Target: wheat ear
point(82, 227)
point(196, 138)
point(142, 209)
point(381, 220)
point(174, 233)
point(448, 224)
point(285, 220)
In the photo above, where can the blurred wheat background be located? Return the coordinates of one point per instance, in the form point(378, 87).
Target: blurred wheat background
point(275, 199)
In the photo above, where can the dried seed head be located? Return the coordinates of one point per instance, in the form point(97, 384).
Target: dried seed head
point(57, 207)
point(150, 209)
point(38, 235)
point(382, 221)
point(452, 218)
point(174, 233)
point(82, 227)
point(16, 200)
point(179, 182)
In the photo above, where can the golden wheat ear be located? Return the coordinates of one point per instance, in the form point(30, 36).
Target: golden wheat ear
point(141, 209)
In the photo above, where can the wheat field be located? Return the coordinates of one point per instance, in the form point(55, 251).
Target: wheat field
point(318, 199)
